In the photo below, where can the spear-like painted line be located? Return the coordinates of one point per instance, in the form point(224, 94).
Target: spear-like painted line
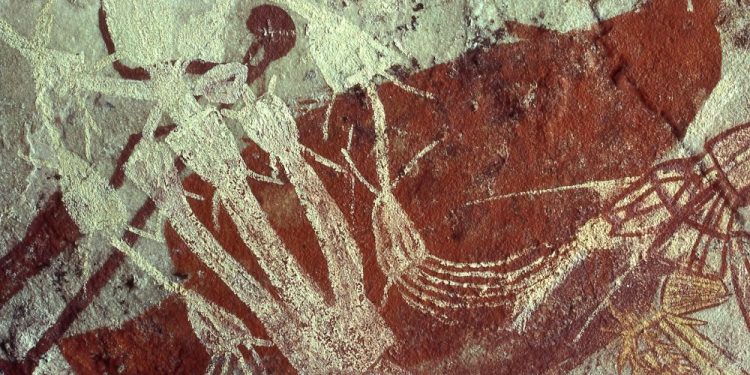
point(597, 185)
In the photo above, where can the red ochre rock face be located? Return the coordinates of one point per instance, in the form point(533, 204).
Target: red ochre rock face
point(549, 110)
point(156, 343)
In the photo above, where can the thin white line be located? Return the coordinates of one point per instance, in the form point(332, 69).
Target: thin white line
point(594, 185)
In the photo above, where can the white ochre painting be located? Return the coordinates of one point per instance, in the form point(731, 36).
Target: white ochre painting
point(374, 187)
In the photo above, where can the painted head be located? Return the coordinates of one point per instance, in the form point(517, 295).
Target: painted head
point(274, 30)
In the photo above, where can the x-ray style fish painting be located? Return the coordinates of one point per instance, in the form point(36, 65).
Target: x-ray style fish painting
point(375, 187)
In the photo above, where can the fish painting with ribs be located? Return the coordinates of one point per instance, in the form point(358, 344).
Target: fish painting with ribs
point(515, 207)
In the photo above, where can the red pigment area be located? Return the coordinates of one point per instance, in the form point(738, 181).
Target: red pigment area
point(161, 341)
point(51, 233)
point(674, 70)
point(551, 110)
point(538, 114)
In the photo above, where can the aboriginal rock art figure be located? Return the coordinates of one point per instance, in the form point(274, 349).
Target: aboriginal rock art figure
point(693, 205)
point(96, 210)
point(197, 104)
point(428, 283)
point(665, 339)
point(688, 212)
